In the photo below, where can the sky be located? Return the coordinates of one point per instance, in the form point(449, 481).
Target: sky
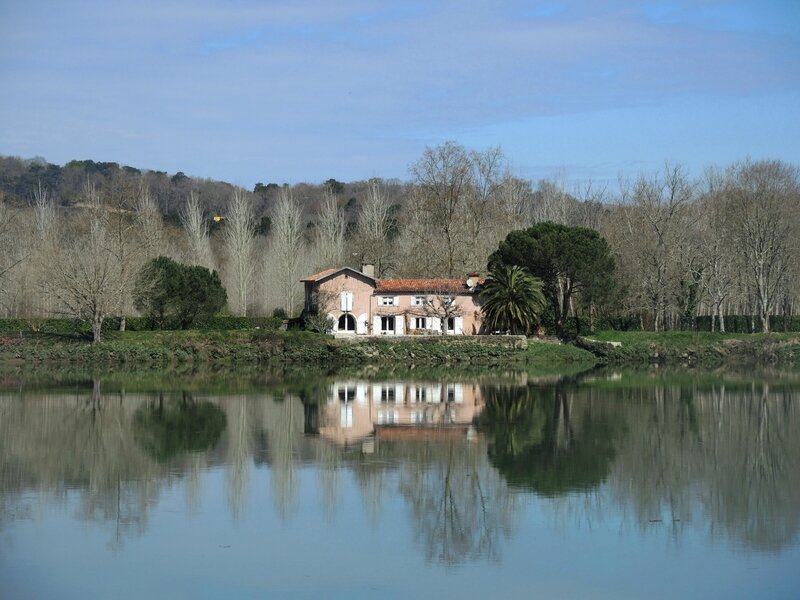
point(266, 91)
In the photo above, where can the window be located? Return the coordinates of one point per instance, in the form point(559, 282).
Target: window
point(387, 323)
point(421, 322)
point(387, 394)
point(451, 323)
point(346, 300)
point(347, 322)
point(420, 301)
point(387, 301)
point(420, 395)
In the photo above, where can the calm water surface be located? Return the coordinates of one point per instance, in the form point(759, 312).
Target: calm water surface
point(623, 485)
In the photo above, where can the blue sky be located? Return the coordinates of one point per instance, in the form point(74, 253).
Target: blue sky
point(250, 91)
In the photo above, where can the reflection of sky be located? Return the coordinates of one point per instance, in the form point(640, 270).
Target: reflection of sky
point(277, 91)
point(554, 552)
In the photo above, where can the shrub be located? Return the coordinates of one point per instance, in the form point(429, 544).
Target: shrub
point(319, 323)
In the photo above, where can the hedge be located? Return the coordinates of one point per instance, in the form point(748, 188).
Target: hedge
point(65, 326)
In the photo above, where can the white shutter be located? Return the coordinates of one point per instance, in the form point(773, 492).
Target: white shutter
point(399, 321)
point(347, 301)
point(436, 323)
point(376, 325)
point(397, 300)
point(362, 324)
point(459, 326)
point(412, 323)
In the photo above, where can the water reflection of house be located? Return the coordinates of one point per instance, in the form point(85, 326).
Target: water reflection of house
point(355, 410)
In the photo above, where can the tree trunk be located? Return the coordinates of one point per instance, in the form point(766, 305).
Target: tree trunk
point(97, 327)
point(764, 321)
point(122, 323)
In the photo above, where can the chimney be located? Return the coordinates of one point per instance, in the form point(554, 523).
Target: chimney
point(368, 270)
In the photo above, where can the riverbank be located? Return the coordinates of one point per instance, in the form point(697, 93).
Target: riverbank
point(165, 349)
point(692, 349)
point(251, 347)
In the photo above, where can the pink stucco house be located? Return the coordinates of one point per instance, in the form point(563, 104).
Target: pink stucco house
point(361, 304)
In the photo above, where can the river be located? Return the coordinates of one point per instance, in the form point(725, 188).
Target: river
point(438, 484)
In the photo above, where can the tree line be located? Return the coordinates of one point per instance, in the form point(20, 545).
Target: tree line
point(73, 239)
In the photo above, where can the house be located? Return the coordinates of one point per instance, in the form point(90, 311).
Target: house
point(361, 304)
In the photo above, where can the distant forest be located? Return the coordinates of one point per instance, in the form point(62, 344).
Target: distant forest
point(723, 246)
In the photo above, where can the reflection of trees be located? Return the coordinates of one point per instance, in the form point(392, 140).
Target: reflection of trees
point(720, 454)
point(283, 433)
point(173, 427)
point(239, 451)
point(83, 442)
point(459, 505)
point(542, 440)
point(730, 453)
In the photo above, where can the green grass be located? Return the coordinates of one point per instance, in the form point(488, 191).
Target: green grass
point(698, 348)
point(230, 349)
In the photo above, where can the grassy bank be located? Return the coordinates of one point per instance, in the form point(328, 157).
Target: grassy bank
point(239, 348)
point(251, 347)
point(702, 349)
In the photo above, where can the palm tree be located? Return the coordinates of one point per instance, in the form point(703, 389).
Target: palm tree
point(513, 299)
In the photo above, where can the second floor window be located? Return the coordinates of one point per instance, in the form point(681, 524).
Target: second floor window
point(346, 301)
point(387, 301)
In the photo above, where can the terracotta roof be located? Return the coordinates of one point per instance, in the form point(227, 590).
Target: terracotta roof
point(436, 286)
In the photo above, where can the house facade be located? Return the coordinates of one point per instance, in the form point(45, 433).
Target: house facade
point(361, 304)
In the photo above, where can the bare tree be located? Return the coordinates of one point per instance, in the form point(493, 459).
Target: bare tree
point(239, 239)
point(11, 254)
point(196, 228)
point(655, 212)
point(123, 238)
point(287, 245)
point(372, 227)
point(150, 223)
point(552, 203)
point(481, 204)
point(443, 178)
point(514, 204)
point(760, 196)
point(717, 251)
point(83, 274)
point(590, 209)
point(330, 231)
